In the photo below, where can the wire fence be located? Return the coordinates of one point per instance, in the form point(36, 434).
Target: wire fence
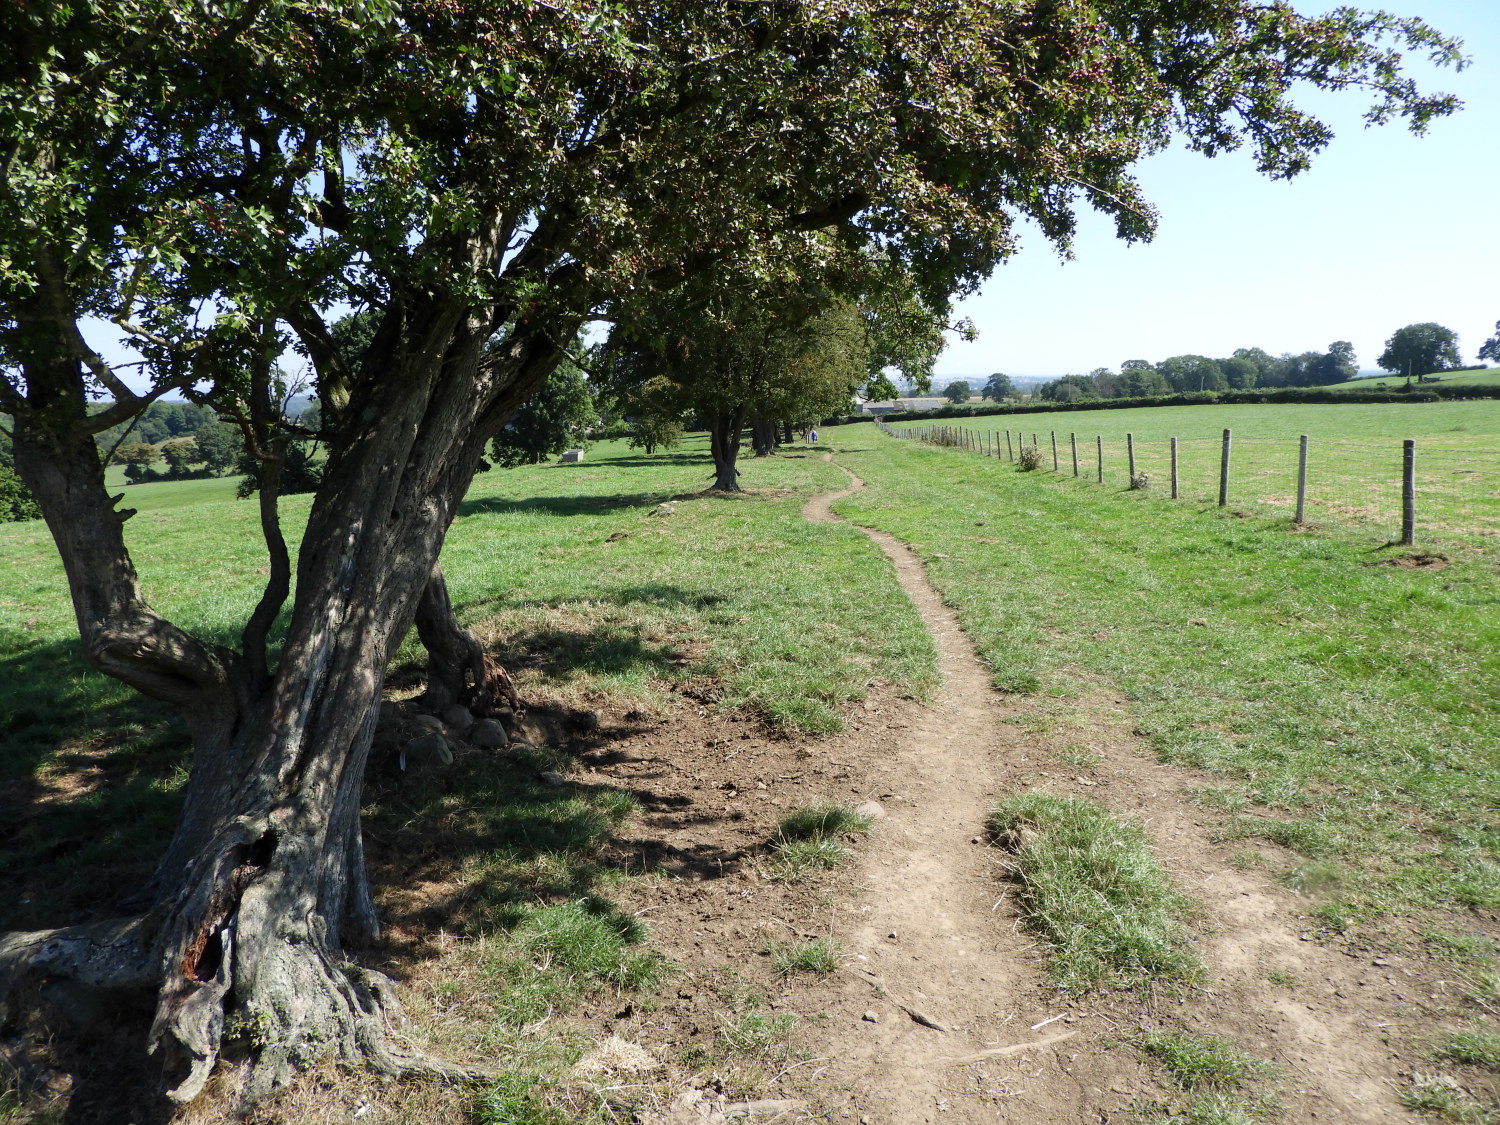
point(1402, 490)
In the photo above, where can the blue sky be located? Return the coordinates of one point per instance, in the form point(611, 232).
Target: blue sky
point(1386, 229)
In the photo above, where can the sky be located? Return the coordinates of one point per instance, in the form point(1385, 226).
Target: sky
point(1386, 229)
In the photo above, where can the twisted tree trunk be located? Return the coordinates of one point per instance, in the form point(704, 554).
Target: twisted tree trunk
point(263, 886)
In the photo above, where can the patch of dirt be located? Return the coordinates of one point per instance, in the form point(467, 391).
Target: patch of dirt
point(1421, 560)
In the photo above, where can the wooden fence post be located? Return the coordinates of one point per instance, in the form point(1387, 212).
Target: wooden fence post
point(1408, 492)
point(1224, 473)
point(1130, 455)
point(1010, 454)
point(1099, 441)
point(1054, 451)
point(1301, 480)
point(1073, 437)
point(1174, 468)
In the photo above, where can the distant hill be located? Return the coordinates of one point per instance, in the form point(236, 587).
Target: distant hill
point(1483, 377)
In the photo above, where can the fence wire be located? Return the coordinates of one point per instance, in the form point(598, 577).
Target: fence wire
point(1353, 483)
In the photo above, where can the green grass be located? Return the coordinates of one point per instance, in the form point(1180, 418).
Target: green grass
point(817, 956)
point(1345, 708)
point(1091, 889)
point(1225, 1084)
point(1483, 378)
point(808, 839)
point(1354, 458)
point(1473, 1048)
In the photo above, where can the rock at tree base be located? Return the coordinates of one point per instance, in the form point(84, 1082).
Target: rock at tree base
point(427, 752)
point(459, 717)
point(490, 735)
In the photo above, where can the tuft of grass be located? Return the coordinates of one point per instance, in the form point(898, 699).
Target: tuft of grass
point(1204, 1062)
point(1091, 888)
point(819, 956)
point(808, 839)
point(1472, 1048)
point(1440, 1096)
point(1464, 948)
point(520, 1097)
point(823, 819)
point(561, 952)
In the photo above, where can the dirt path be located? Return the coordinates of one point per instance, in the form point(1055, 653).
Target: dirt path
point(935, 941)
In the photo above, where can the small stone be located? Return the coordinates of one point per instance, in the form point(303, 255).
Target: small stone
point(427, 751)
point(1199, 621)
point(891, 936)
point(490, 735)
point(552, 778)
point(1380, 961)
point(458, 717)
point(976, 839)
point(586, 721)
point(871, 1016)
point(872, 809)
point(428, 722)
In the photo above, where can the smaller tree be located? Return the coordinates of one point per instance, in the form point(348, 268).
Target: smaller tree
point(558, 418)
point(1421, 349)
point(1139, 378)
point(998, 387)
point(180, 454)
point(220, 445)
point(959, 392)
point(1490, 349)
point(138, 457)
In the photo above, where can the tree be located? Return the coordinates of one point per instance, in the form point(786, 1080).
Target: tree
point(138, 457)
point(1069, 388)
point(486, 177)
point(558, 418)
point(1139, 379)
point(1187, 374)
point(958, 391)
point(219, 446)
point(1337, 365)
point(998, 386)
point(180, 455)
point(1239, 372)
point(1490, 349)
point(1421, 349)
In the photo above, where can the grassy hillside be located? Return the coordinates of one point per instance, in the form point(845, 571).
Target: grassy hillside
point(1354, 461)
point(1485, 378)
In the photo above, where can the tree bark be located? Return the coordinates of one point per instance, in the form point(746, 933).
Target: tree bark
point(458, 669)
point(725, 432)
point(763, 437)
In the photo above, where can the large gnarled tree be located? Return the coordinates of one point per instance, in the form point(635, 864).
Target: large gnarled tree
point(484, 176)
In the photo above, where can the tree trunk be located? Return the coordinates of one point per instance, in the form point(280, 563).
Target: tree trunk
point(763, 437)
point(458, 670)
point(786, 433)
point(725, 431)
point(264, 882)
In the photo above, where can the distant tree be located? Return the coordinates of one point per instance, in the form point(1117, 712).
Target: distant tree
point(1337, 365)
point(1106, 382)
point(998, 387)
point(958, 392)
point(1187, 374)
point(219, 447)
point(138, 457)
point(1138, 378)
point(1240, 373)
point(558, 418)
point(16, 501)
point(1490, 349)
point(299, 473)
point(1069, 388)
point(1267, 372)
point(1421, 349)
point(180, 454)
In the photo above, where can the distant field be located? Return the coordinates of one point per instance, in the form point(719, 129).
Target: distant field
point(1487, 378)
point(1354, 458)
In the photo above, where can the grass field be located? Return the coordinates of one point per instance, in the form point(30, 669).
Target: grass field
point(1354, 458)
point(1344, 708)
point(1483, 378)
